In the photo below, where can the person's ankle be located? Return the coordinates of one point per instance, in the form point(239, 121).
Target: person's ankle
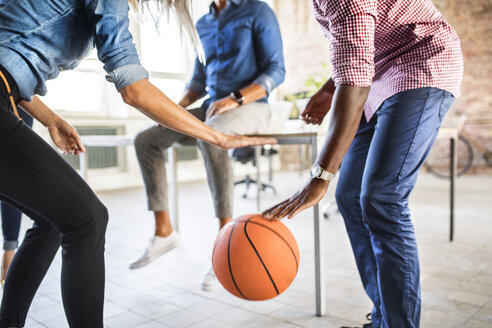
point(163, 232)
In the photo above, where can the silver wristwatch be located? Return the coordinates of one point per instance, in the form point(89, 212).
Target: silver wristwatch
point(318, 172)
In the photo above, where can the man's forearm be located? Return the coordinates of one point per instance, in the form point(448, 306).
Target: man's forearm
point(329, 86)
point(189, 98)
point(347, 106)
point(252, 93)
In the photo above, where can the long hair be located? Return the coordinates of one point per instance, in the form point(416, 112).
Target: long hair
point(182, 11)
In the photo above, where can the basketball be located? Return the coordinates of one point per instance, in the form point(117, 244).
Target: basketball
point(254, 258)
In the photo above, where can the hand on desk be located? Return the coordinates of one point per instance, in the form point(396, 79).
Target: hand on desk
point(221, 106)
point(306, 197)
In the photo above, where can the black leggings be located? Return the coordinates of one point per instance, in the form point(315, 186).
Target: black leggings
point(38, 181)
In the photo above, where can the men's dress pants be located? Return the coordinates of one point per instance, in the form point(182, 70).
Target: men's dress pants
point(377, 176)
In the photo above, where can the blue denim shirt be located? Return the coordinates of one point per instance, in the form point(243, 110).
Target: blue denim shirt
point(39, 38)
point(242, 45)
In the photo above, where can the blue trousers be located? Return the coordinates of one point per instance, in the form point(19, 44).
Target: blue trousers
point(11, 216)
point(377, 176)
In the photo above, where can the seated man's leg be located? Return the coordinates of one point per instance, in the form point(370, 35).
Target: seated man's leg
point(150, 145)
point(247, 119)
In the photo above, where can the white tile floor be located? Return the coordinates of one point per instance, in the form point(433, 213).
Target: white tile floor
point(456, 277)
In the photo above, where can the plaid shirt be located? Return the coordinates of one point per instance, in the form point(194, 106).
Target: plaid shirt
point(390, 45)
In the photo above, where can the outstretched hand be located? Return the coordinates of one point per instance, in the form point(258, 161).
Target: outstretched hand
point(317, 107)
point(230, 142)
point(66, 137)
point(306, 197)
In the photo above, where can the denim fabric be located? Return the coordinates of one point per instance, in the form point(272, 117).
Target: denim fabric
point(242, 45)
point(377, 176)
point(38, 39)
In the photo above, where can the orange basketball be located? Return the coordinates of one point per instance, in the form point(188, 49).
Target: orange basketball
point(254, 258)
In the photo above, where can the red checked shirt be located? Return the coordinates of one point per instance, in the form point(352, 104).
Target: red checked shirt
point(390, 45)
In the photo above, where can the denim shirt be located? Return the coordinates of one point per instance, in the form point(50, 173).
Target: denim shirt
point(242, 45)
point(39, 38)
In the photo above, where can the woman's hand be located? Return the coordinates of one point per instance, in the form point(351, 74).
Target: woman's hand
point(66, 137)
point(306, 197)
point(317, 107)
point(229, 142)
point(221, 106)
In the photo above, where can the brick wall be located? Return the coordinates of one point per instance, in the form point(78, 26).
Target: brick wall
point(306, 50)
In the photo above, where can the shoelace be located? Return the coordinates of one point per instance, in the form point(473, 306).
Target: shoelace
point(365, 325)
point(369, 324)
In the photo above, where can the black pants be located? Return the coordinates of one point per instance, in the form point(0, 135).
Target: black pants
point(35, 179)
point(11, 216)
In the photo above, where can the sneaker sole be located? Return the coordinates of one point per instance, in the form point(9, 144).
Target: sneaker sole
point(152, 258)
point(210, 288)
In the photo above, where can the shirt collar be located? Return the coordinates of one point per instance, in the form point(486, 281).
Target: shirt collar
point(236, 2)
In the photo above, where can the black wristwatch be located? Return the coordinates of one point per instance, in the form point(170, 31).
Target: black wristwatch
point(237, 97)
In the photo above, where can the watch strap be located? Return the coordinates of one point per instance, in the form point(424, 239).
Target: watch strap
point(237, 96)
point(325, 175)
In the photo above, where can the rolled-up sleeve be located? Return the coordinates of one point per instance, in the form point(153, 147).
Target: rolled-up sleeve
point(350, 26)
point(268, 42)
point(110, 28)
point(198, 80)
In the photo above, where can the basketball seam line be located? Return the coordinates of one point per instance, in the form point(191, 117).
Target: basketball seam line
point(229, 260)
point(259, 257)
point(280, 236)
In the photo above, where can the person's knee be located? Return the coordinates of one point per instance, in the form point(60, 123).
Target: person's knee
point(344, 197)
point(142, 141)
point(96, 217)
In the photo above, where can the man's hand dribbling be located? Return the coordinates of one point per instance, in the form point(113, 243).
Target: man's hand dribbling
point(306, 197)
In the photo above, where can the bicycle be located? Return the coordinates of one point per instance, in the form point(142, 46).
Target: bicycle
point(437, 162)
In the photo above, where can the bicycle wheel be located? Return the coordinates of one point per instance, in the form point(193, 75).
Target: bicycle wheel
point(438, 163)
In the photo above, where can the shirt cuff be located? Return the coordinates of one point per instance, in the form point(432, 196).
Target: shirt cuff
point(266, 82)
point(126, 75)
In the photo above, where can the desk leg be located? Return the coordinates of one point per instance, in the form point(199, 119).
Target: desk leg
point(319, 260)
point(83, 165)
point(452, 177)
point(258, 182)
point(172, 155)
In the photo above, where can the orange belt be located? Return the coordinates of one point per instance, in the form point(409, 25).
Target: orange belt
point(12, 102)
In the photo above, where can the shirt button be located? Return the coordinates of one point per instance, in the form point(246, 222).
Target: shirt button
point(109, 78)
point(60, 68)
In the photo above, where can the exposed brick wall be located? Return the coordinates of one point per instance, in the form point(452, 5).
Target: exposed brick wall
point(306, 50)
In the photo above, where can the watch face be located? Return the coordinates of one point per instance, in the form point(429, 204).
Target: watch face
point(315, 170)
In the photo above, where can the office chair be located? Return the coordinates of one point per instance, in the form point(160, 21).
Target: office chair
point(247, 154)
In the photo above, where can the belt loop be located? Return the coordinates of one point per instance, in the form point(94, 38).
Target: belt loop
point(11, 97)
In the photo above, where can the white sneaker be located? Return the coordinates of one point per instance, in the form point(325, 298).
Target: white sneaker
point(157, 247)
point(209, 281)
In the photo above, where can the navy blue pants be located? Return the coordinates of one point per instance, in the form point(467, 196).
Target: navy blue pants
point(377, 176)
point(11, 216)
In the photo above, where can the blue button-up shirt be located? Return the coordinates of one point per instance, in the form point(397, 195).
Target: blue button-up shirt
point(40, 38)
point(242, 45)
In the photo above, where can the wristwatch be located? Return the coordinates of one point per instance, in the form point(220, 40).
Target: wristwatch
point(238, 97)
point(318, 172)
